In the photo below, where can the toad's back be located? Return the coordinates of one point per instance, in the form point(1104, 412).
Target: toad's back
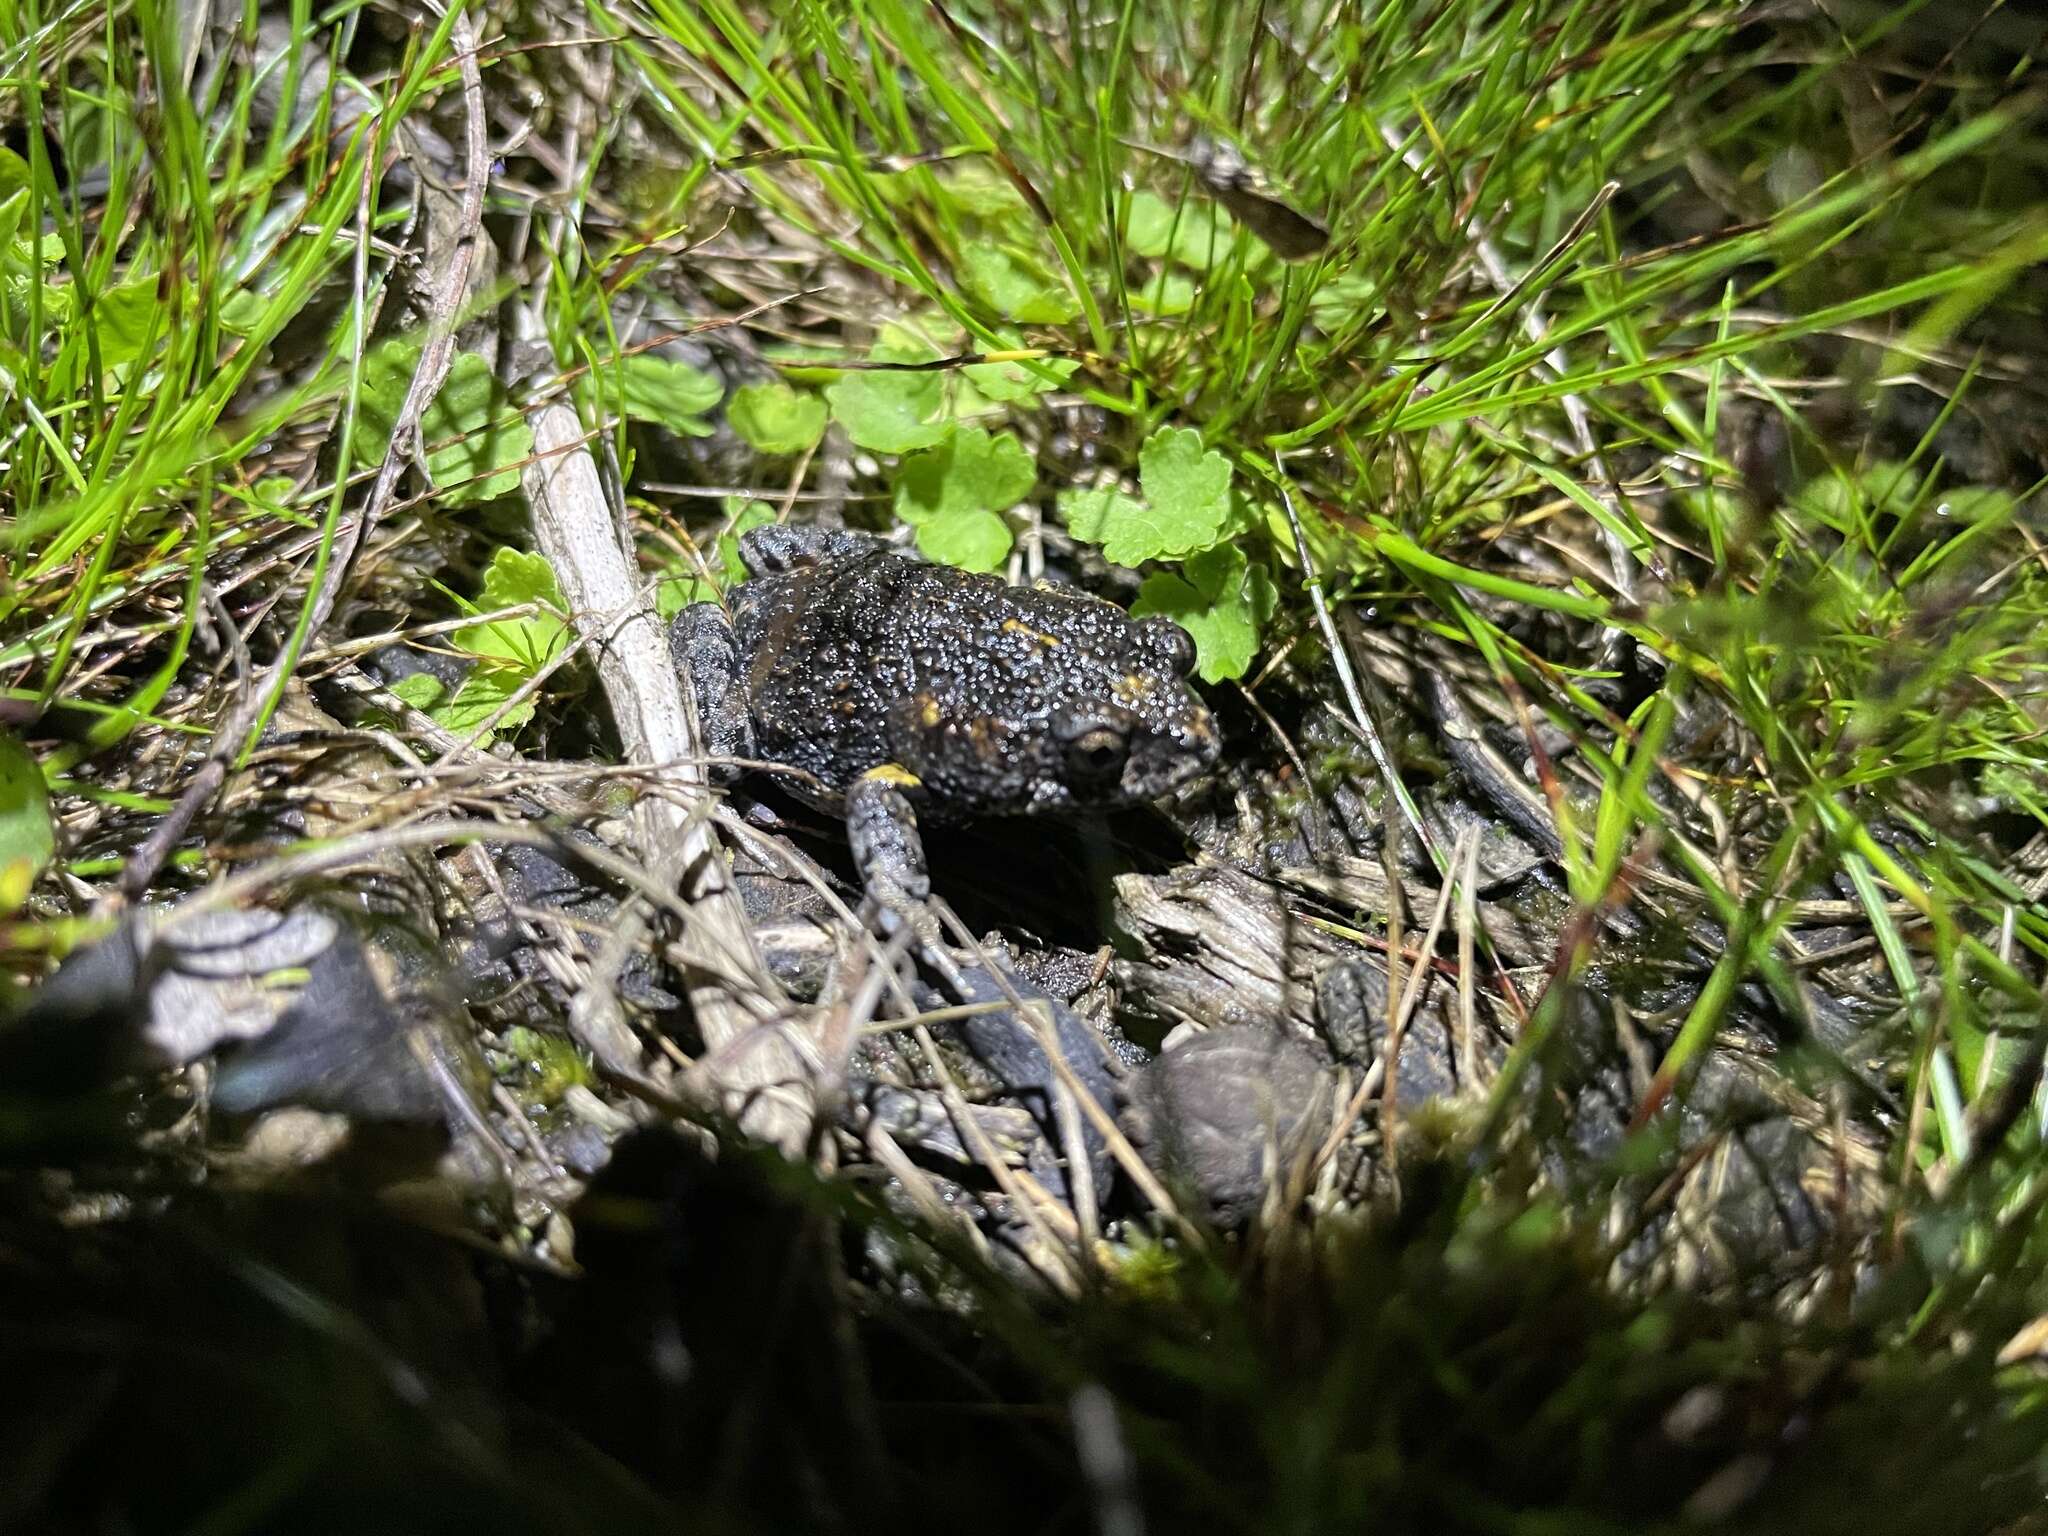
point(867, 658)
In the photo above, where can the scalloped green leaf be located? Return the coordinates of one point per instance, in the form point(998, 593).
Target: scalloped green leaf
point(1186, 482)
point(955, 495)
point(1170, 293)
point(969, 472)
point(1186, 506)
point(776, 419)
point(1003, 383)
point(482, 694)
point(972, 540)
point(978, 188)
point(669, 393)
point(422, 690)
point(1221, 600)
point(890, 412)
point(1017, 284)
point(524, 644)
point(475, 438)
point(1194, 236)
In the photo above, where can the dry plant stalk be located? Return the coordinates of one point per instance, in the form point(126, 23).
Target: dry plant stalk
point(765, 1085)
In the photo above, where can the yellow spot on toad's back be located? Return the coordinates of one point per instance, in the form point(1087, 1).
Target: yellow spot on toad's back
point(988, 736)
point(1132, 688)
point(894, 773)
point(1019, 627)
point(928, 711)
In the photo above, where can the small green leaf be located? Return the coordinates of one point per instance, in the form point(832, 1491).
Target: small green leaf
point(1220, 601)
point(474, 437)
point(522, 645)
point(1975, 504)
point(1094, 516)
point(1016, 284)
point(917, 338)
point(775, 418)
point(1186, 505)
point(890, 412)
point(13, 209)
point(123, 316)
point(980, 189)
point(969, 472)
point(1344, 300)
point(242, 314)
point(27, 836)
point(1170, 293)
point(672, 594)
point(1005, 382)
point(482, 694)
point(542, 1067)
point(1194, 237)
point(14, 173)
point(668, 393)
point(1150, 231)
point(954, 496)
point(1186, 482)
point(972, 540)
point(422, 690)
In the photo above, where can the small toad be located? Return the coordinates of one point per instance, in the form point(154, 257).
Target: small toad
point(898, 689)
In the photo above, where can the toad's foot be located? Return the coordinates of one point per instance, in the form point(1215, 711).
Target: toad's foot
point(881, 828)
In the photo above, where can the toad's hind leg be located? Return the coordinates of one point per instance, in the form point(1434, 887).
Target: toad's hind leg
point(881, 828)
point(701, 643)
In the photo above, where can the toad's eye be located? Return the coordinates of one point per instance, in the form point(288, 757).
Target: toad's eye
point(1178, 645)
point(1097, 753)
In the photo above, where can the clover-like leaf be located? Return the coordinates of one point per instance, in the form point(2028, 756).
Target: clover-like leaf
point(980, 189)
point(1094, 517)
point(524, 644)
point(1191, 234)
point(1187, 482)
point(669, 393)
point(954, 494)
point(1348, 299)
point(774, 418)
point(422, 690)
point(1185, 509)
point(243, 312)
point(482, 694)
point(13, 209)
point(1221, 601)
point(1017, 284)
point(972, 540)
point(969, 472)
point(1150, 229)
point(889, 412)
point(1005, 382)
point(123, 316)
point(15, 174)
point(474, 437)
point(1170, 293)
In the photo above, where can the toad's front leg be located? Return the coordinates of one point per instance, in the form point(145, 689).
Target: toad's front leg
point(881, 828)
point(702, 646)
